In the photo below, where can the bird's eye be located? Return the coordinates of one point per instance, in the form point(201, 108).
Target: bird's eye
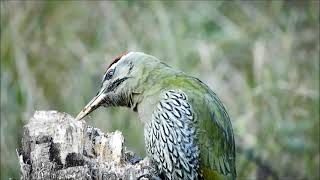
point(108, 75)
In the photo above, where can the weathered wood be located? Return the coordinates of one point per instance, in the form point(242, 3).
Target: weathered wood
point(56, 146)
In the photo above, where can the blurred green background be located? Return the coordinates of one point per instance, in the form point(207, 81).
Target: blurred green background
point(261, 58)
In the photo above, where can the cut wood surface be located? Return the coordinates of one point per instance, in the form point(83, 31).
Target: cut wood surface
point(56, 146)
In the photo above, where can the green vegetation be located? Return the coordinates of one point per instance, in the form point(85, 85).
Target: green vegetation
point(261, 58)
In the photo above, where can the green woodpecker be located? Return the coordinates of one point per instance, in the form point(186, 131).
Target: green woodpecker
point(187, 130)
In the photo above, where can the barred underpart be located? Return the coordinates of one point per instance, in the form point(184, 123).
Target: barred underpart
point(170, 137)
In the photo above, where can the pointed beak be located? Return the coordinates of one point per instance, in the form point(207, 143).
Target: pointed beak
point(91, 106)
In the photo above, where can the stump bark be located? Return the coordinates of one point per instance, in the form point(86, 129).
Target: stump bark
point(56, 146)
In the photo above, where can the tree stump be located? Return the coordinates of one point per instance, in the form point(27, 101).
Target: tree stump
point(56, 146)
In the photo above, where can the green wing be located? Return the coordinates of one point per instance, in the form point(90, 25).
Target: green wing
point(216, 139)
point(215, 136)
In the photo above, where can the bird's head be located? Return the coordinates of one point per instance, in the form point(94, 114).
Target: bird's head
point(121, 82)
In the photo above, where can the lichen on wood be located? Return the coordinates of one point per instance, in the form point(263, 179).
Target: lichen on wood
point(56, 146)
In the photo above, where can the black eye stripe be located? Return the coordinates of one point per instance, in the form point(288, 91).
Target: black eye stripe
point(115, 84)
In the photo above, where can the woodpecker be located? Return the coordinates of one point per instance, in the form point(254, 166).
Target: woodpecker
point(187, 130)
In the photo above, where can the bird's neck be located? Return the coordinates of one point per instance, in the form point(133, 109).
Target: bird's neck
point(147, 94)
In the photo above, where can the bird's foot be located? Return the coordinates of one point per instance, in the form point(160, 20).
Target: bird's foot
point(135, 160)
point(149, 176)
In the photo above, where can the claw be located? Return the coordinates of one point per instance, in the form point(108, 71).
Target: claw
point(149, 176)
point(135, 160)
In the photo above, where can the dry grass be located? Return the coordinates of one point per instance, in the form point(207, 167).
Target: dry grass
point(261, 58)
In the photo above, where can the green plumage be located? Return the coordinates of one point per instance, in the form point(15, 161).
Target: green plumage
point(188, 133)
point(214, 131)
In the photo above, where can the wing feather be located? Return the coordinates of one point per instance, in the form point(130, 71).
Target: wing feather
point(179, 155)
point(217, 138)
